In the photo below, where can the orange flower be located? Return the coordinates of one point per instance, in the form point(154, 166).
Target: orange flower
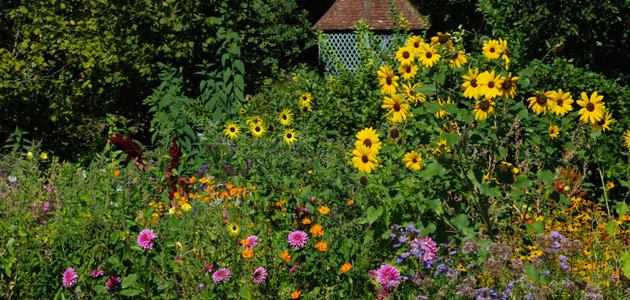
point(321, 246)
point(317, 230)
point(247, 253)
point(324, 210)
point(117, 172)
point(350, 202)
point(346, 267)
point(244, 242)
point(285, 255)
point(192, 179)
point(306, 221)
point(295, 294)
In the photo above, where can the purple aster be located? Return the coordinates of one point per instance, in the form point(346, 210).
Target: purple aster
point(252, 242)
point(260, 275)
point(221, 275)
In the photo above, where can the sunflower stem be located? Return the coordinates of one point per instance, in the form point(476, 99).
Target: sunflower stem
point(601, 176)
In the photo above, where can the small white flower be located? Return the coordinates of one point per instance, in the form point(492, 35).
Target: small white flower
point(119, 188)
point(84, 174)
point(12, 179)
point(103, 170)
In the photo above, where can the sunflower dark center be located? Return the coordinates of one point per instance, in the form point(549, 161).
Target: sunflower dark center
point(397, 107)
point(491, 84)
point(559, 101)
point(394, 133)
point(429, 54)
point(257, 128)
point(590, 107)
point(232, 129)
point(367, 143)
point(289, 135)
point(601, 122)
point(365, 159)
point(473, 83)
point(284, 117)
point(541, 100)
point(388, 80)
point(416, 45)
point(443, 39)
point(304, 109)
point(492, 50)
point(405, 55)
point(414, 160)
point(363, 180)
point(484, 105)
point(408, 69)
point(233, 228)
point(507, 84)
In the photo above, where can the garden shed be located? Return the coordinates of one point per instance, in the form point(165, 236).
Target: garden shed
point(338, 23)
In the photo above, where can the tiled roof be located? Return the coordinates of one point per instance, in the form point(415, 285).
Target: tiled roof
point(345, 13)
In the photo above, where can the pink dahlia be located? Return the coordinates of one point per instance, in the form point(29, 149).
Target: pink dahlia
point(260, 275)
point(252, 242)
point(430, 249)
point(70, 277)
point(145, 239)
point(388, 277)
point(298, 239)
point(221, 275)
point(97, 273)
point(112, 283)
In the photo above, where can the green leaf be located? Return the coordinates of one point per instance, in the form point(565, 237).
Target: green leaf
point(532, 273)
point(624, 261)
point(129, 280)
point(539, 227)
point(373, 214)
point(427, 89)
point(130, 293)
point(546, 176)
point(434, 168)
point(622, 209)
point(439, 78)
point(522, 182)
point(610, 227)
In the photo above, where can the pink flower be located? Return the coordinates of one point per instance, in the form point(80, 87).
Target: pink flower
point(298, 239)
point(252, 242)
point(294, 268)
point(145, 239)
point(112, 283)
point(97, 273)
point(388, 277)
point(260, 275)
point(70, 277)
point(207, 267)
point(221, 275)
point(430, 249)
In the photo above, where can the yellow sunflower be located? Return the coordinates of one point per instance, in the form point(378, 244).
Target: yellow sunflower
point(398, 108)
point(442, 39)
point(364, 159)
point(442, 147)
point(483, 108)
point(440, 114)
point(410, 93)
point(492, 49)
point(428, 55)
point(541, 102)
point(369, 138)
point(604, 124)
point(387, 80)
point(506, 55)
point(413, 160)
point(257, 130)
point(553, 131)
point(471, 87)
point(592, 108)
point(306, 106)
point(233, 229)
point(405, 55)
point(232, 130)
point(289, 136)
point(563, 102)
point(253, 120)
point(415, 43)
point(489, 84)
point(626, 138)
point(507, 86)
point(286, 117)
point(305, 98)
point(408, 71)
point(458, 59)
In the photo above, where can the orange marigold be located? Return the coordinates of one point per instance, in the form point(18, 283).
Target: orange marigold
point(321, 246)
point(117, 172)
point(296, 294)
point(346, 267)
point(350, 202)
point(247, 253)
point(317, 230)
point(324, 210)
point(306, 221)
point(285, 255)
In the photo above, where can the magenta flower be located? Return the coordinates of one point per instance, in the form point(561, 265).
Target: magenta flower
point(252, 242)
point(294, 268)
point(430, 249)
point(145, 239)
point(112, 283)
point(298, 239)
point(221, 275)
point(388, 277)
point(260, 275)
point(70, 277)
point(97, 273)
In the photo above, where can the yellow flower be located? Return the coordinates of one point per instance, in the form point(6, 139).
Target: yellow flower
point(471, 87)
point(563, 102)
point(410, 93)
point(626, 138)
point(254, 120)
point(489, 84)
point(458, 59)
point(405, 55)
point(233, 229)
point(440, 114)
point(507, 86)
point(289, 136)
point(441, 39)
point(317, 230)
point(483, 108)
point(232, 130)
point(306, 221)
point(387, 80)
point(29, 155)
point(398, 108)
point(592, 107)
point(186, 207)
point(408, 71)
point(247, 253)
point(321, 246)
point(415, 43)
point(504, 45)
point(553, 131)
point(541, 102)
point(364, 159)
point(604, 124)
point(428, 55)
point(346, 267)
point(324, 210)
point(257, 130)
point(442, 147)
point(492, 49)
point(285, 255)
point(43, 156)
point(286, 117)
point(305, 99)
point(413, 160)
point(295, 294)
point(369, 138)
